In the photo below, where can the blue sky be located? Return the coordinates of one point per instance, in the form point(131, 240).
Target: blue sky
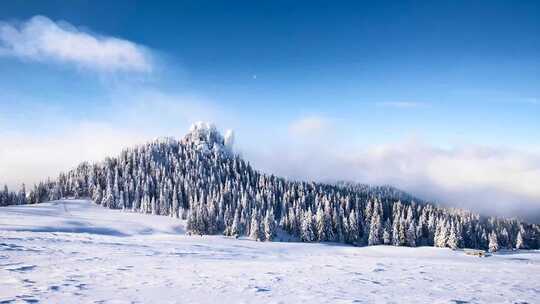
point(301, 82)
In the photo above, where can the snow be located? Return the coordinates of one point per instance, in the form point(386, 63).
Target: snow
point(72, 251)
point(206, 138)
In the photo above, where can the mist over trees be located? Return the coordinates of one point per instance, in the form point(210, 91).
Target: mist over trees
point(200, 179)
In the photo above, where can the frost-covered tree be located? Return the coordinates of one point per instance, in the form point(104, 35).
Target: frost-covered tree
point(353, 231)
point(493, 242)
point(453, 241)
point(269, 225)
point(255, 228)
point(235, 228)
point(121, 202)
point(520, 243)
point(321, 223)
point(387, 232)
point(307, 233)
point(441, 234)
point(375, 228)
point(411, 235)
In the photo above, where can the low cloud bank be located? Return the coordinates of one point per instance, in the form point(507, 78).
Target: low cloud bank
point(489, 180)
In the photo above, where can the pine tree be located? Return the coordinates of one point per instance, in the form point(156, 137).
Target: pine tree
point(235, 228)
point(175, 206)
point(269, 225)
point(153, 206)
point(108, 200)
point(307, 233)
point(321, 225)
point(441, 234)
point(411, 235)
point(453, 238)
point(387, 232)
point(191, 224)
point(493, 242)
point(396, 227)
point(121, 202)
point(520, 244)
point(254, 230)
point(335, 224)
point(375, 229)
point(504, 239)
point(22, 195)
point(353, 229)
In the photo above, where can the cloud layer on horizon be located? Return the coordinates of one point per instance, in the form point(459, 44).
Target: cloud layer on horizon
point(43, 40)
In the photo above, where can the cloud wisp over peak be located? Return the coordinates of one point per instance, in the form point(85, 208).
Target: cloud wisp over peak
point(44, 40)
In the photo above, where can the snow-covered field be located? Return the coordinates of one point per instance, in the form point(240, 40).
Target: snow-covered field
point(75, 252)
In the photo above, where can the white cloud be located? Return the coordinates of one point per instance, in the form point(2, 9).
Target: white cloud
point(489, 180)
point(30, 158)
point(401, 104)
point(41, 39)
point(310, 125)
point(468, 167)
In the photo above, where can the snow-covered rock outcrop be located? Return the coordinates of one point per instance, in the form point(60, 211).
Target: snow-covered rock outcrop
point(205, 137)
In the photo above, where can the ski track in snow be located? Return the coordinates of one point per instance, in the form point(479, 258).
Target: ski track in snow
point(76, 252)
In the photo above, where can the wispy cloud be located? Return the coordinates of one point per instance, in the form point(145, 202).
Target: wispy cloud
point(490, 180)
point(310, 125)
point(401, 104)
point(30, 158)
point(41, 39)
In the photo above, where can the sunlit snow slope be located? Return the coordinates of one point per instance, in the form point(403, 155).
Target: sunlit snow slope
point(76, 252)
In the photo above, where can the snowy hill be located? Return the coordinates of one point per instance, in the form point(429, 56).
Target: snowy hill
point(73, 251)
point(199, 179)
point(84, 217)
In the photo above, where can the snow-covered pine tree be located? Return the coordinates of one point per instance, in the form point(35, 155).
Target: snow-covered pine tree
point(493, 242)
point(255, 228)
point(307, 230)
point(269, 225)
point(375, 228)
point(353, 232)
point(520, 244)
point(453, 241)
point(387, 232)
point(411, 234)
point(320, 224)
point(236, 229)
point(441, 234)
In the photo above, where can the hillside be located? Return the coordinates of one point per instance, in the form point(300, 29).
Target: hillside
point(201, 180)
point(73, 251)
